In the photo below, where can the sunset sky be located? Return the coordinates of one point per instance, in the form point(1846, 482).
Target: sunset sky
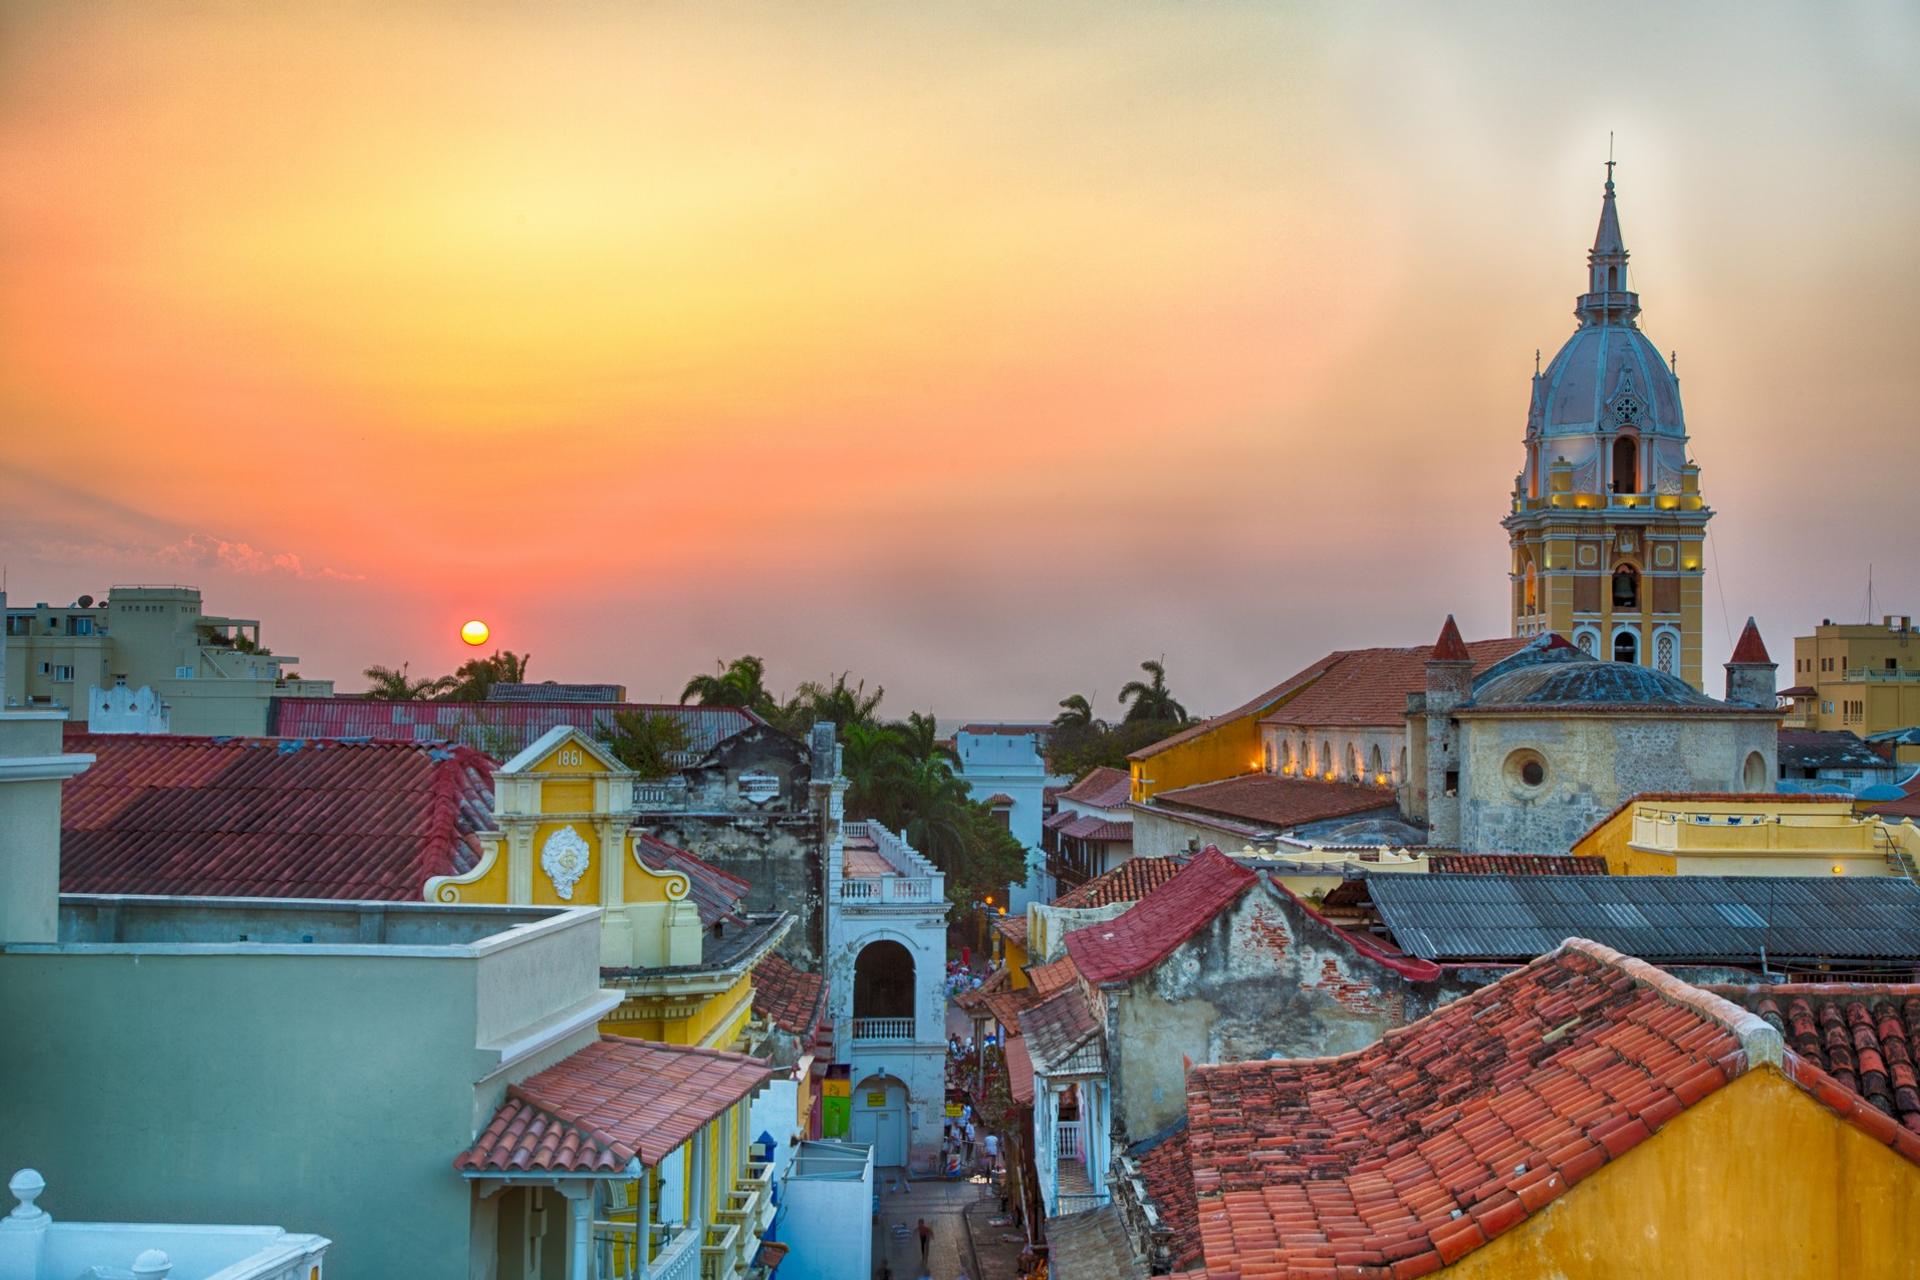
point(984, 350)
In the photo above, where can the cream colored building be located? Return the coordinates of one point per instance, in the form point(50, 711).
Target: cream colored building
point(1859, 676)
point(1730, 835)
point(211, 671)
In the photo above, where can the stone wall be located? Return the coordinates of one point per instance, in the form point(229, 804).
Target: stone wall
point(1593, 764)
point(1265, 978)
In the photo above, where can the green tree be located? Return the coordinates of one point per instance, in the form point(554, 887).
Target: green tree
point(843, 703)
point(1076, 713)
point(920, 739)
point(1151, 699)
point(651, 743)
point(740, 683)
point(386, 684)
point(474, 679)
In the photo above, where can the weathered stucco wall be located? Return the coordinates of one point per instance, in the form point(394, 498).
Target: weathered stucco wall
point(1162, 833)
point(1263, 979)
point(1592, 764)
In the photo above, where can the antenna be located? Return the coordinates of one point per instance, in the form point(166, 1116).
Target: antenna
point(1869, 617)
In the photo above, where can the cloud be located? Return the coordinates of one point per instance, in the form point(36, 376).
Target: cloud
point(204, 551)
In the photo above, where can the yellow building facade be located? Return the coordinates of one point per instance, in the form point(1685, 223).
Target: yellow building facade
point(1761, 835)
point(563, 807)
point(1860, 677)
point(1608, 527)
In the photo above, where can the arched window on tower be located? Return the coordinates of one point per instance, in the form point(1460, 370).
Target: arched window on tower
point(1613, 278)
point(1530, 592)
point(1626, 647)
point(1626, 464)
point(1626, 587)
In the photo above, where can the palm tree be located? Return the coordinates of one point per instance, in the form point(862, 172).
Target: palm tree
point(1151, 700)
point(1076, 712)
point(934, 817)
point(740, 683)
point(474, 679)
point(385, 684)
point(920, 738)
point(839, 702)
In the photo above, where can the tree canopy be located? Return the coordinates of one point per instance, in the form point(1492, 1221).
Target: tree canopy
point(471, 682)
point(1082, 741)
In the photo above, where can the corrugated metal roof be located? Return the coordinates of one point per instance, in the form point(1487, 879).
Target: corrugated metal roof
point(500, 729)
point(1738, 919)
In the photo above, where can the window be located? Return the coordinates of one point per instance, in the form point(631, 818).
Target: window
point(80, 626)
point(62, 673)
point(1453, 782)
point(1526, 771)
point(1754, 775)
point(1663, 652)
point(1626, 647)
point(1626, 465)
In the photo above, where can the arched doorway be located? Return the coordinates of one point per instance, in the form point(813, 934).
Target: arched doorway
point(883, 995)
point(879, 1119)
point(1626, 647)
point(1626, 465)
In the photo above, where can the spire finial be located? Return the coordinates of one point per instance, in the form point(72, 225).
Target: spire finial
point(1609, 159)
point(1536, 362)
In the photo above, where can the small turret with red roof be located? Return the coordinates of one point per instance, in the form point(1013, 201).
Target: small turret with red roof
point(1750, 672)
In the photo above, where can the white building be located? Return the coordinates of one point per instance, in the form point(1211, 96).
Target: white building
point(886, 982)
point(829, 1189)
point(35, 1246)
point(1005, 767)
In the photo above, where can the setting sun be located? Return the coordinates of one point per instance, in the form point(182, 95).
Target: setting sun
point(475, 632)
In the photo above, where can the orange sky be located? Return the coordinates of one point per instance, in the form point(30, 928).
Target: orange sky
point(984, 350)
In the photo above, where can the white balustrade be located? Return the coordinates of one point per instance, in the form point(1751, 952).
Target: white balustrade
point(1067, 1140)
point(892, 1030)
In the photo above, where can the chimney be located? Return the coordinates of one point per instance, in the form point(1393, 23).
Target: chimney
point(32, 767)
point(1750, 672)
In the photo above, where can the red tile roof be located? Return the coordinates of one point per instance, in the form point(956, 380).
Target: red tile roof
point(997, 800)
point(1518, 864)
point(1269, 800)
point(1293, 682)
point(612, 1102)
point(1864, 1036)
point(1168, 1174)
point(1012, 928)
point(1131, 881)
point(1103, 788)
point(1019, 1070)
point(1750, 647)
point(270, 817)
point(1906, 807)
point(494, 727)
point(1148, 931)
point(1450, 647)
point(1105, 830)
point(1049, 978)
point(716, 894)
point(1063, 1033)
point(1005, 1006)
point(790, 998)
point(1370, 686)
point(1411, 1153)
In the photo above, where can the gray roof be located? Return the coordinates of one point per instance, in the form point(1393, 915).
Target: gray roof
point(1551, 673)
point(1828, 749)
point(1675, 919)
point(1092, 1245)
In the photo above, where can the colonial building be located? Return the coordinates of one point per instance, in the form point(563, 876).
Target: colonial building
point(1608, 526)
point(1528, 754)
point(1089, 832)
point(1005, 767)
point(1861, 677)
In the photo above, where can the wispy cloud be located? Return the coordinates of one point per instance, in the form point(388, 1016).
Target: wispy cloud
point(205, 551)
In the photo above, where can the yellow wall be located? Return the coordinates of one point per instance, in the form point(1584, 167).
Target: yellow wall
point(717, 1022)
point(1756, 1180)
point(1225, 750)
point(1810, 839)
point(1016, 961)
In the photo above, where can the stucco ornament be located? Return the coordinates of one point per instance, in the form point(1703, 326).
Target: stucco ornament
point(564, 858)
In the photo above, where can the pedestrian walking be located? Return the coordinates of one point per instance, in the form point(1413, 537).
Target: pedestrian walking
point(969, 1141)
point(993, 1152)
point(926, 1242)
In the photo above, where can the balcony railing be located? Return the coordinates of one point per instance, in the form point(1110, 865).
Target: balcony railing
point(1855, 675)
point(720, 1255)
point(676, 1248)
point(883, 891)
point(1068, 1140)
point(883, 1030)
point(1077, 1202)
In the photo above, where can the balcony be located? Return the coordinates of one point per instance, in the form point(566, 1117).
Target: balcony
point(721, 1256)
point(1877, 675)
point(879, 869)
point(883, 1030)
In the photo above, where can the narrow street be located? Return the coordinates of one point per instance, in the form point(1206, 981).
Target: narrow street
point(966, 1240)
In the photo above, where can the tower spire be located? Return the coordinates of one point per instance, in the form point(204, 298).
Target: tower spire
point(1608, 300)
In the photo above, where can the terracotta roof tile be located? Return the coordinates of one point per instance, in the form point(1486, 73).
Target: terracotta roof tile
point(1147, 932)
point(716, 894)
point(1019, 1071)
point(506, 727)
point(1450, 647)
point(1007, 1006)
point(1269, 800)
point(790, 998)
point(1750, 649)
point(1131, 881)
point(612, 1102)
point(1518, 864)
point(1168, 1174)
point(1049, 978)
point(1103, 788)
point(1906, 807)
point(1063, 1033)
point(270, 817)
point(1865, 1036)
point(1102, 829)
point(1293, 682)
point(1370, 686)
point(1012, 927)
point(1417, 1150)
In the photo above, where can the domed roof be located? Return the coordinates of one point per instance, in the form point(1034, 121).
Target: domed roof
point(1552, 673)
point(1608, 373)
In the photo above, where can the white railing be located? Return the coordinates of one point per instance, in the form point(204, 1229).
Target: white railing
point(892, 1030)
point(1067, 1140)
point(901, 856)
point(679, 1260)
point(889, 890)
point(1077, 1202)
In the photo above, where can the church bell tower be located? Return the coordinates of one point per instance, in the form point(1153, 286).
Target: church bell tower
point(1608, 528)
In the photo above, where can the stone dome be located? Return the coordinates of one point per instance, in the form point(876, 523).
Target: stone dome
point(1552, 673)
